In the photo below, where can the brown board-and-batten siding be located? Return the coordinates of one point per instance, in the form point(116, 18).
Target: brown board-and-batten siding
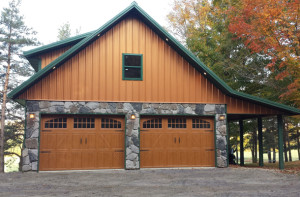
point(167, 76)
point(48, 57)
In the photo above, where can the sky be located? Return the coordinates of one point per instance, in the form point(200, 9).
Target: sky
point(46, 16)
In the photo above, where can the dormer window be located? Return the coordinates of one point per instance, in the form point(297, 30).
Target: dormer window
point(132, 66)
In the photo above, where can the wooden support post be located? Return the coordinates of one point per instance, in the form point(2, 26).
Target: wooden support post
point(280, 141)
point(241, 142)
point(260, 142)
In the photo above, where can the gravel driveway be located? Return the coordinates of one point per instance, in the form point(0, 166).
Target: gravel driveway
point(152, 182)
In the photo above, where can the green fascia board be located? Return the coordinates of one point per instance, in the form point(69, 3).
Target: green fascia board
point(135, 10)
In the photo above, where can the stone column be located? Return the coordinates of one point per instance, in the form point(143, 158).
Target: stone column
point(221, 142)
point(132, 152)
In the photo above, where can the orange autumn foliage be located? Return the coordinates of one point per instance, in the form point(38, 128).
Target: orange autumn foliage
point(272, 27)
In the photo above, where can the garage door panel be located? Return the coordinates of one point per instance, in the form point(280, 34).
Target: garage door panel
point(110, 140)
point(44, 161)
point(76, 160)
point(77, 141)
point(62, 160)
point(90, 141)
point(62, 141)
point(145, 158)
point(182, 141)
point(49, 140)
point(88, 159)
point(118, 159)
point(47, 161)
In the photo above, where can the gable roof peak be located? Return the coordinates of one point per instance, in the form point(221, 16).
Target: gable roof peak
point(134, 3)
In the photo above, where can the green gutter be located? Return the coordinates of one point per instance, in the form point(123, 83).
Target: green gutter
point(136, 11)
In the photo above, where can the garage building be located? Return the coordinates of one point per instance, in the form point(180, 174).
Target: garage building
point(128, 95)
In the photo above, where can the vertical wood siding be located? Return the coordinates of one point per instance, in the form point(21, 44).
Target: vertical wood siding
point(95, 74)
point(48, 57)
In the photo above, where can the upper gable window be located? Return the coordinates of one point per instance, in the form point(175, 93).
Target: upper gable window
point(132, 66)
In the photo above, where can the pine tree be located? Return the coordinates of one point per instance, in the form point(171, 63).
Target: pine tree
point(64, 31)
point(14, 35)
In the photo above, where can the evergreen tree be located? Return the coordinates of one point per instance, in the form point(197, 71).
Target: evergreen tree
point(14, 35)
point(64, 31)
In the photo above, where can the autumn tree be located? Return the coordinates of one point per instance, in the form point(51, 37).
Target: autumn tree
point(271, 27)
point(14, 35)
point(202, 26)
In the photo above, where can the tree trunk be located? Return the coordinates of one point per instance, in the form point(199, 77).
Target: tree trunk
point(3, 120)
point(3, 109)
point(252, 153)
point(274, 155)
point(298, 144)
point(237, 153)
point(289, 146)
point(287, 137)
point(269, 155)
point(284, 145)
point(21, 161)
point(255, 146)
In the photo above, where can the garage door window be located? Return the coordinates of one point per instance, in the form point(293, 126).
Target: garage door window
point(200, 124)
point(84, 123)
point(56, 123)
point(153, 123)
point(176, 123)
point(109, 123)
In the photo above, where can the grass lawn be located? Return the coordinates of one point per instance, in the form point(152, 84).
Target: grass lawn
point(248, 156)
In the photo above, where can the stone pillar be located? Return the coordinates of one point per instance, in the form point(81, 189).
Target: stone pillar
point(221, 142)
point(132, 142)
point(30, 149)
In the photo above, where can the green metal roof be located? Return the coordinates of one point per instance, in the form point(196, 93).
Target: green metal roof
point(136, 11)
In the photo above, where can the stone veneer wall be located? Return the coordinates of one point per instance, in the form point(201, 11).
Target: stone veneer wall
point(30, 151)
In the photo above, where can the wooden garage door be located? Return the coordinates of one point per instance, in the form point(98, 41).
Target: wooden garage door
point(81, 142)
point(177, 142)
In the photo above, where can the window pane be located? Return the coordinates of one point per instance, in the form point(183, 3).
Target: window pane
point(132, 72)
point(132, 60)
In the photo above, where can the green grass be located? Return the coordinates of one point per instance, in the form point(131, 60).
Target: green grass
point(248, 156)
point(12, 164)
